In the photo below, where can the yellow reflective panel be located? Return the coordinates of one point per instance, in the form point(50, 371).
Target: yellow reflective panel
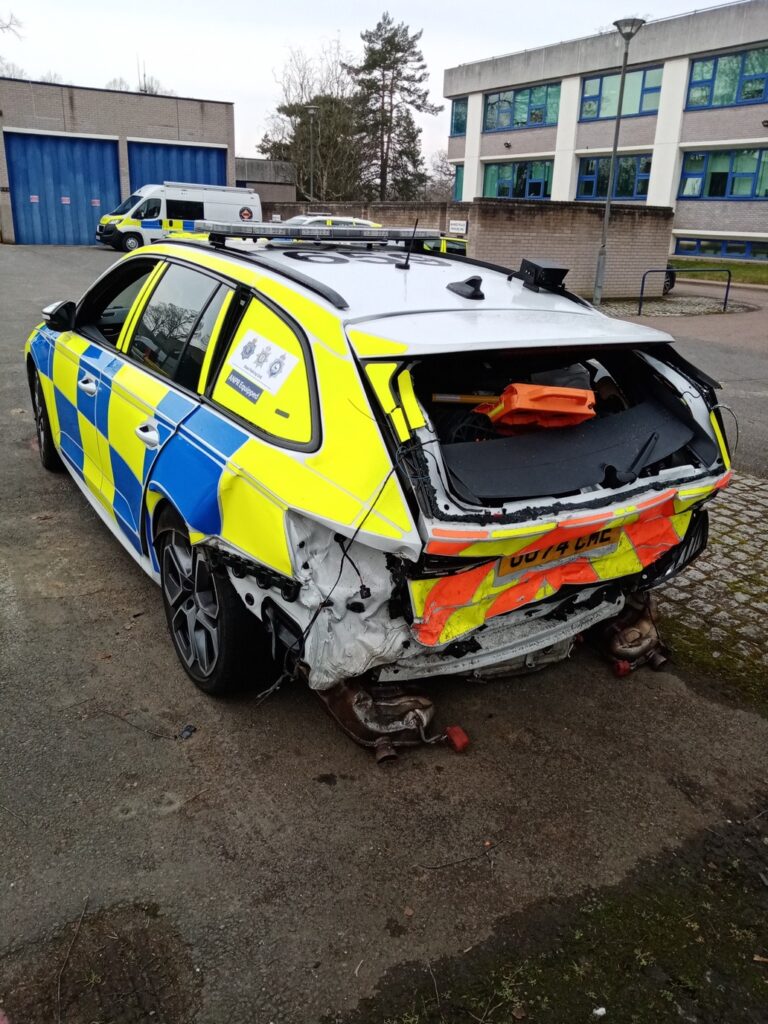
point(253, 522)
point(401, 427)
point(380, 375)
point(411, 407)
point(720, 440)
point(135, 394)
point(369, 345)
point(264, 377)
point(89, 440)
point(321, 323)
point(66, 364)
point(353, 452)
point(621, 562)
point(49, 393)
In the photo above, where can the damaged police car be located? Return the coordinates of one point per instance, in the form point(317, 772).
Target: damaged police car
point(358, 466)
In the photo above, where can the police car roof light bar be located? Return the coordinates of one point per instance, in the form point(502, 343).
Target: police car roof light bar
point(218, 231)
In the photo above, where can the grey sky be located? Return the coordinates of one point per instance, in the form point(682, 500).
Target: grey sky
point(232, 50)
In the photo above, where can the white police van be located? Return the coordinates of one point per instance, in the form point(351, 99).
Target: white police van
point(155, 211)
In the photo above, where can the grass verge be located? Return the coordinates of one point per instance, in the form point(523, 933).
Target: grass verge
point(743, 272)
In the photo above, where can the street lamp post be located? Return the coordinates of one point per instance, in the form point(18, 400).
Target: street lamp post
point(627, 29)
point(312, 110)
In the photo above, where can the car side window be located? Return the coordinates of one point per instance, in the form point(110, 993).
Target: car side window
point(184, 209)
point(170, 319)
point(265, 378)
point(149, 209)
point(103, 311)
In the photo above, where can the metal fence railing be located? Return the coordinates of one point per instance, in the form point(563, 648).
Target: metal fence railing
point(691, 270)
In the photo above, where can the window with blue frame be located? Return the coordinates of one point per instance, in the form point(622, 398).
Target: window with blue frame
point(600, 95)
point(725, 174)
point(525, 179)
point(630, 177)
point(458, 182)
point(459, 116)
point(522, 108)
point(729, 81)
point(732, 249)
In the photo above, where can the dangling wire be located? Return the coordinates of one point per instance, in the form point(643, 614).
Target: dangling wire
point(722, 405)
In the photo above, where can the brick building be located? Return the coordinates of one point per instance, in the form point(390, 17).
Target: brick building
point(538, 125)
point(70, 154)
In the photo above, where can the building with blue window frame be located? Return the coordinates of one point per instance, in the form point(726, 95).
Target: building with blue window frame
point(694, 125)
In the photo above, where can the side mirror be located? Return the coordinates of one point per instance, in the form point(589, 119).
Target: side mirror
point(60, 316)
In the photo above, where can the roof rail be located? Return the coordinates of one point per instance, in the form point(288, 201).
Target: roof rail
point(208, 188)
point(219, 231)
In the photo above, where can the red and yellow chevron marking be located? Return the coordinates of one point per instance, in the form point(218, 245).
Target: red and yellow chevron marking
point(582, 550)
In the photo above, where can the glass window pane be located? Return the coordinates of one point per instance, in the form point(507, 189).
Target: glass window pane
point(710, 246)
point(491, 180)
point(692, 187)
point(641, 186)
point(169, 317)
point(649, 103)
point(756, 62)
point(589, 110)
point(698, 95)
point(188, 373)
point(726, 81)
point(760, 251)
point(685, 245)
point(553, 103)
point(504, 113)
point(742, 186)
point(609, 103)
point(537, 169)
point(694, 163)
point(491, 106)
point(653, 78)
point(625, 177)
point(735, 248)
point(521, 177)
point(632, 88)
point(591, 87)
point(717, 175)
point(521, 109)
point(745, 161)
point(645, 164)
point(762, 179)
point(535, 189)
point(459, 117)
point(602, 178)
point(548, 167)
point(702, 69)
point(539, 95)
point(752, 89)
point(586, 188)
point(536, 115)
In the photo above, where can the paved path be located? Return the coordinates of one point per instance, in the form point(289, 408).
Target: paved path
point(733, 348)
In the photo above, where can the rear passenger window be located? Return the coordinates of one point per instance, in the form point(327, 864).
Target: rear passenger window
point(170, 320)
point(264, 378)
point(184, 209)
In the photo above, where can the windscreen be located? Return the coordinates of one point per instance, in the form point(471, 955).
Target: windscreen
point(126, 205)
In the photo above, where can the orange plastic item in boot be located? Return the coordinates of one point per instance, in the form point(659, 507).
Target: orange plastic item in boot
point(521, 404)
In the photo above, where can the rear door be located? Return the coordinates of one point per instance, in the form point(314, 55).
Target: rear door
point(153, 384)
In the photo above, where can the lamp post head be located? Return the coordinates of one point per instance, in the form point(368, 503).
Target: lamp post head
point(312, 110)
point(629, 27)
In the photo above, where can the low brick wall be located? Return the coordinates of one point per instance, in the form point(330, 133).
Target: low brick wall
point(504, 231)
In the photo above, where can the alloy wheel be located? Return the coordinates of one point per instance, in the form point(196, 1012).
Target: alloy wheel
point(190, 590)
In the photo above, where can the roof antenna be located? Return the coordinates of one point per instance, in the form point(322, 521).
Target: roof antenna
point(406, 265)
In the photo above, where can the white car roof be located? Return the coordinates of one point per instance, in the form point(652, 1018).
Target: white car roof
point(387, 302)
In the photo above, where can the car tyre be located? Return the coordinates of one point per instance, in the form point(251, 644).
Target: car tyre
point(132, 241)
point(49, 457)
point(221, 646)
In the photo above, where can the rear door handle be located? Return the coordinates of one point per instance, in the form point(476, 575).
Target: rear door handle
point(88, 385)
point(148, 433)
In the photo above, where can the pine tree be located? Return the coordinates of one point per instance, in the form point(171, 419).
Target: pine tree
point(391, 81)
point(407, 174)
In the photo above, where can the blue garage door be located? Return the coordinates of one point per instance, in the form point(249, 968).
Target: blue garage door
point(152, 163)
point(60, 186)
